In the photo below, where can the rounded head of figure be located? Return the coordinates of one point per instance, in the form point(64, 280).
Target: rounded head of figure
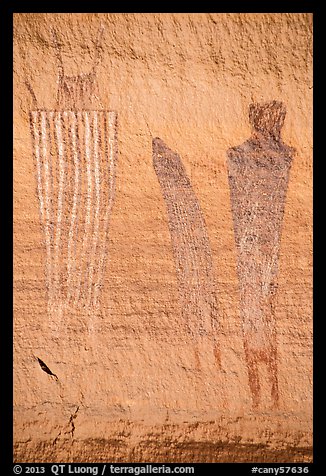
point(267, 118)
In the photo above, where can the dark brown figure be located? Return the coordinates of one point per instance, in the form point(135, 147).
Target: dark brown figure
point(190, 242)
point(258, 177)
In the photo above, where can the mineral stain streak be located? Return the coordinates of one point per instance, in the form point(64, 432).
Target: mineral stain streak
point(258, 177)
point(190, 243)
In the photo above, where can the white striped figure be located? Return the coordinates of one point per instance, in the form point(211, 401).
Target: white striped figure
point(75, 154)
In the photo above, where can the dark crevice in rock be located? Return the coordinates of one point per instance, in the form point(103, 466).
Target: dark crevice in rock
point(71, 427)
point(56, 438)
point(73, 416)
point(46, 369)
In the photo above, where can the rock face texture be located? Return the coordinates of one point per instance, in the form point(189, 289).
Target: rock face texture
point(134, 337)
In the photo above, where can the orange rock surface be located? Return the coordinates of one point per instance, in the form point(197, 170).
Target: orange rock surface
point(122, 382)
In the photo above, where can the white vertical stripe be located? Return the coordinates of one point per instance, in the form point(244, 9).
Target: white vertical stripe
point(74, 204)
point(88, 201)
point(97, 209)
point(60, 145)
point(47, 225)
point(110, 136)
point(35, 116)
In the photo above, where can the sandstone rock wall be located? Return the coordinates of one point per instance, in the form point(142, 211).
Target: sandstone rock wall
point(129, 381)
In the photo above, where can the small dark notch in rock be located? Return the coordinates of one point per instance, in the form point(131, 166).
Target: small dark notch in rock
point(46, 369)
